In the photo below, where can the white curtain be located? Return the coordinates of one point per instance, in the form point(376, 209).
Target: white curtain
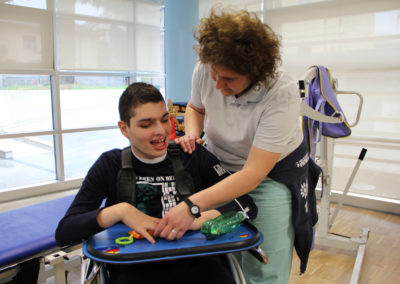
point(359, 41)
point(120, 35)
point(26, 40)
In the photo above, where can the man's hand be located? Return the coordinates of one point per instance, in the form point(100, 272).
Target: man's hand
point(130, 216)
point(188, 142)
point(140, 223)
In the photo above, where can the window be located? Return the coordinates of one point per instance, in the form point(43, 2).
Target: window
point(61, 76)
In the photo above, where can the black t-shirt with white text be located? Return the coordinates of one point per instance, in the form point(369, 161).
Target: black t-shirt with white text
point(155, 190)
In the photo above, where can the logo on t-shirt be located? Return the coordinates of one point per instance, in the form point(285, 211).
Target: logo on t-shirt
point(219, 169)
point(156, 194)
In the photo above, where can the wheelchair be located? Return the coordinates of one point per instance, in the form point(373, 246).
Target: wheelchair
point(101, 250)
point(94, 272)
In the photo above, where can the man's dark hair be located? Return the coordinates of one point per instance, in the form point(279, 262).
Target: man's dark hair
point(135, 95)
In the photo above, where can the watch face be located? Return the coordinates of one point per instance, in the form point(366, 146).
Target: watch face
point(195, 209)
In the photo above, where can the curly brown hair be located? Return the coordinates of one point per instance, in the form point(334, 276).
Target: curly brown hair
point(239, 41)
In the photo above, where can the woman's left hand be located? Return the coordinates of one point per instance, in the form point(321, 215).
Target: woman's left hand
point(175, 223)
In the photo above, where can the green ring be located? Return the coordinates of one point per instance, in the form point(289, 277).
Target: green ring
point(124, 240)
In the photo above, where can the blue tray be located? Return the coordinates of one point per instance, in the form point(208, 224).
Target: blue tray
point(102, 247)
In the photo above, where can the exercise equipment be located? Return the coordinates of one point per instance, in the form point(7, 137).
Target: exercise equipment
point(323, 236)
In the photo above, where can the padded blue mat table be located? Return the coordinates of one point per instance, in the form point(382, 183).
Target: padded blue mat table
point(102, 247)
point(29, 231)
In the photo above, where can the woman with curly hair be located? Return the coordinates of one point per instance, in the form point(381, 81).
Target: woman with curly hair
point(249, 109)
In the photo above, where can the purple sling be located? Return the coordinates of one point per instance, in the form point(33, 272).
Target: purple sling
point(322, 98)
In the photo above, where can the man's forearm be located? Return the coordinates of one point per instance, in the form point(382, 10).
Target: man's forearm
point(111, 215)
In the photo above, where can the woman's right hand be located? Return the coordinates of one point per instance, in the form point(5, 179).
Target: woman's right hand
point(188, 142)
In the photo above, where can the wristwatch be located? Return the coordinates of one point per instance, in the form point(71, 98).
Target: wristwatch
point(194, 209)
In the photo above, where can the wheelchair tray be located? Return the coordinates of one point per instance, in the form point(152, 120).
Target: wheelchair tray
point(102, 247)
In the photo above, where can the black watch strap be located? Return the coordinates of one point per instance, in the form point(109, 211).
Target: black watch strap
point(193, 209)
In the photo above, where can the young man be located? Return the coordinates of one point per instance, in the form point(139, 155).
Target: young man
point(146, 123)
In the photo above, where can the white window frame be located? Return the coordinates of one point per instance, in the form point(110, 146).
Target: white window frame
point(61, 183)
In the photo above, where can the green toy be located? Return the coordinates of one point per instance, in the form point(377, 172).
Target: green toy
point(224, 223)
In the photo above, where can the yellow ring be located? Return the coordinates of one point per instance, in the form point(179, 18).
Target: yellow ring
point(124, 240)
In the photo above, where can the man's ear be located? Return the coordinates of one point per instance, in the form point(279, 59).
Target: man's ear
point(124, 128)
